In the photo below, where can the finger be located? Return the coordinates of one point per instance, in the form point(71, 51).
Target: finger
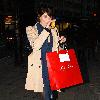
point(62, 37)
point(48, 25)
point(53, 20)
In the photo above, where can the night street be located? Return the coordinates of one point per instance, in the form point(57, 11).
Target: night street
point(36, 27)
point(12, 81)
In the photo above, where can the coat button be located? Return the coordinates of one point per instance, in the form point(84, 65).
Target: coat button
point(32, 65)
point(40, 58)
point(39, 66)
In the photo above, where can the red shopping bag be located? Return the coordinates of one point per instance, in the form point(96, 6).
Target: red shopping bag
point(63, 69)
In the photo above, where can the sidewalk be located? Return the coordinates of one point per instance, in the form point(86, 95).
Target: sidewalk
point(12, 81)
point(88, 91)
point(5, 52)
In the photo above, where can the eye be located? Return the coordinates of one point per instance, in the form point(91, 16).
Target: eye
point(45, 16)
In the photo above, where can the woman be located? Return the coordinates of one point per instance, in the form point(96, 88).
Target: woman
point(43, 39)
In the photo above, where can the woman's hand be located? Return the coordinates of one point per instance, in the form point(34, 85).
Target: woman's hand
point(62, 39)
point(30, 30)
point(48, 25)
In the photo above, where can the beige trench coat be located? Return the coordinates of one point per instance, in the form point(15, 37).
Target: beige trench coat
point(34, 80)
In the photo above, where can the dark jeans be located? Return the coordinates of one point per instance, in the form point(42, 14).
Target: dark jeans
point(47, 90)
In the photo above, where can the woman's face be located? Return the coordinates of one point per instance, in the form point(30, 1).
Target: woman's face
point(45, 19)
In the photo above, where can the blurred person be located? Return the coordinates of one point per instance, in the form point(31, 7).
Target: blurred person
point(43, 39)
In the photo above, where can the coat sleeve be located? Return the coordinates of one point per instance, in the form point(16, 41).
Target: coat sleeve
point(36, 41)
point(55, 39)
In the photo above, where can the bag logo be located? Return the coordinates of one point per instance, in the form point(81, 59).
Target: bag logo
point(64, 57)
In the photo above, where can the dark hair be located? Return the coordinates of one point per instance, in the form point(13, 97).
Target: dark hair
point(44, 8)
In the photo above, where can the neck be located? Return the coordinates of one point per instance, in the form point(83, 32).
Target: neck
point(43, 24)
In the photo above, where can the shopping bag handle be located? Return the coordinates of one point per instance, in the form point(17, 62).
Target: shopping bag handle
point(63, 45)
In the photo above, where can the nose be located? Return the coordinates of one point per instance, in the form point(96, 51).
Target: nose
point(49, 18)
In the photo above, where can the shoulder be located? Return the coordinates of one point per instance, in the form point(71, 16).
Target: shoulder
point(35, 28)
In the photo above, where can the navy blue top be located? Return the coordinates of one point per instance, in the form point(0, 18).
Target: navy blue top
point(46, 47)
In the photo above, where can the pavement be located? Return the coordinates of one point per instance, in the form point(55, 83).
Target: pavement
point(5, 52)
point(12, 82)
